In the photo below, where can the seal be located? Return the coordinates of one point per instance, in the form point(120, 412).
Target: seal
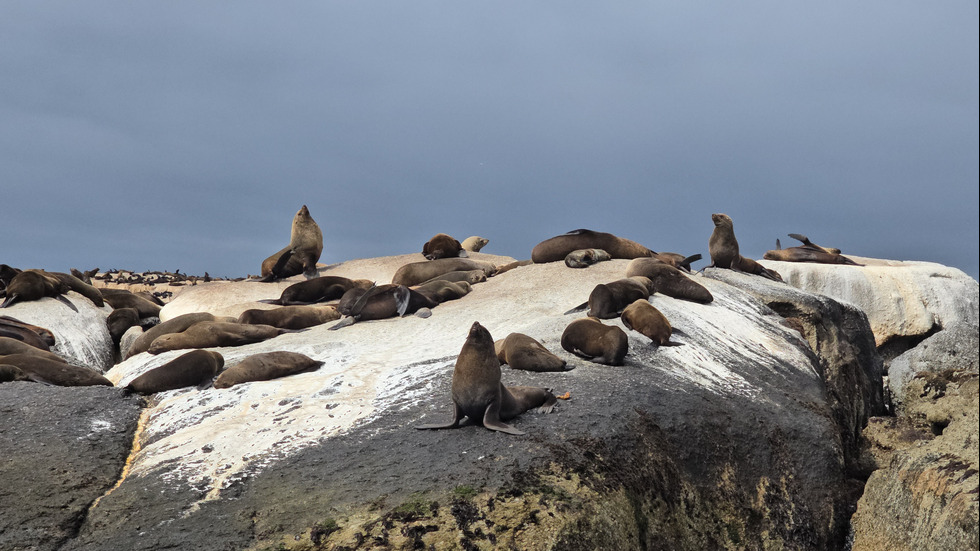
point(668, 280)
point(381, 302)
point(512, 266)
point(36, 336)
point(120, 320)
point(31, 285)
point(415, 273)
point(440, 291)
point(190, 369)
point(469, 276)
point(9, 346)
point(174, 325)
point(749, 266)
point(211, 334)
point(265, 367)
point(644, 318)
point(520, 351)
point(677, 260)
point(10, 373)
point(607, 300)
point(442, 246)
point(56, 372)
point(583, 258)
point(589, 338)
point(722, 245)
point(478, 394)
point(302, 253)
point(291, 317)
point(474, 243)
point(318, 289)
point(557, 248)
point(80, 287)
point(121, 298)
point(808, 253)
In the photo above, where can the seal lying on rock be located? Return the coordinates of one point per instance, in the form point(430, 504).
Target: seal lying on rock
point(36, 336)
point(607, 300)
point(190, 369)
point(415, 273)
point(520, 351)
point(31, 285)
point(318, 289)
point(583, 258)
point(264, 367)
point(440, 291)
point(56, 372)
point(210, 334)
point(442, 246)
point(809, 252)
point(644, 318)
point(591, 339)
point(121, 298)
point(291, 317)
point(174, 325)
point(557, 248)
point(668, 280)
point(478, 394)
point(381, 302)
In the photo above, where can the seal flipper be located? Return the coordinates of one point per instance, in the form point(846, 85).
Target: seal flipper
point(457, 415)
point(280, 267)
point(402, 297)
point(64, 299)
point(349, 320)
point(491, 420)
point(578, 308)
point(778, 246)
point(686, 263)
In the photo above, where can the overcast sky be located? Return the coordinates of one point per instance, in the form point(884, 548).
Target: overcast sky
point(186, 135)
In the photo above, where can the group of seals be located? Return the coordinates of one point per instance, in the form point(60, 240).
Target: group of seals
point(302, 253)
point(668, 280)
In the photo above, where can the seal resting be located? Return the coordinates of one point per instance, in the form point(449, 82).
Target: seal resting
point(210, 334)
point(440, 291)
point(291, 317)
point(121, 298)
point(442, 246)
point(174, 325)
point(668, 280)
point(583, 258)
point(318, 289)
point(520, 351)
point(56, 372)
point(607, 300)
point(469, 276)
point(644, 318)
point(381, 302)
point(809, 252)
point(415, 273)
point(591, 339)
point(36, 336)
point(190, 369)
point(302, 253)
point(557, 248)
point(478, 394)
point(474, 243)
point(265, 367)
point(31, 285)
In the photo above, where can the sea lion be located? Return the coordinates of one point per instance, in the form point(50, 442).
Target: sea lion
point(120, 320)
point(520, 351)
point(121, 298)
point(440, 291)
point(557, 248)
point(668, 280)
point(583, 258)
point(808, 253)
point(469, 276)
point(607, 300)
point(591, 339)
point(415, 273)
point(291, 317)
point(644, 318)
point(474, 243)
point(722, 245)
point(381, 302)
point(31, 285)
point(7, 273)
point(478, 394)
point(442, 246)
point(211, 334)
point(174, 325)
point(57, 372)
point(190, 369)
point(302, 253)
point(264, 367)
point(749, 266)
point(318, 289)
point(36, 336)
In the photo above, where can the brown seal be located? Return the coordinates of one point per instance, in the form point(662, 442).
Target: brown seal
point(56, 372)
point(190, 369)
point(469, 276)
point(31, 285)
point(474, 243)
point(210, 334)
point(10, 373)
point(302, 253)
point(381, 302)
point(643, 317)
point(120, 320)
point(722, 245)
point(440, 291)
point(291, 317)
point(38, 337)
point(442, 246)
point(318, 289)
point(583, 258)
point(677, 260)
point(607, 300)
point(80, 287)
point(809, 252)
point(520, 351)
point(10, 346)
point(557, 248)
point(589, 338)
point(415, 273)
point(512, 266)
point(478, 394)
point(749, 266)
point(264, 367)
point(668, 280)
point(175, 325)
point(121, 298)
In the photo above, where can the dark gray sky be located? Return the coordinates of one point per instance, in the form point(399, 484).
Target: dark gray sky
point(176, 135)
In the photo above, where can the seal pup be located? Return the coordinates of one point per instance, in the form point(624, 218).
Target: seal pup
point(10, 373)
point(57, 372)
point(36, 336)
point(557, 248)
point(591, 339)
point(265, 367)
point(474, 243)
point(302, 253)
point(520, 351)
point(190, 369)
point(31, 285)
point(478, 394)
point(442, 246)
point(318, 289)
point(607, 300)
point(668, 280)
point(291, 317)
point(470, 276)
point(211, 334)
point(381, 302)
point(583, 258)
point(644, 318)
point(415, 273)
point(722, 245)
point(440, 291)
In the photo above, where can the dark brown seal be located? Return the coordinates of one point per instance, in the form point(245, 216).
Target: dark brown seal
point(80, 287)
point(440, 291)
point(520, 351)
point(589, 338)
point(302, 253)
point(722, 245)
point(38, 337)
point(607, 300)
point(644, 318)
point(557, 248)
point(120, 320)
point(415, 273)
point(210, 334)
point(56, 372)
point(583, 258)
point(668, 280)
point(478, 394)
point(749, 266)
point(190, 369)
point(381, 302)
point(10, 346)
point(318, 289)
point(291, 317)
point(10, 373)
point(265, 367)
point(175, 325)
point(31, 285)
point(121, 298)
point(442, 246)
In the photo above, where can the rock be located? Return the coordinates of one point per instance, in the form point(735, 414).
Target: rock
point(954, 348)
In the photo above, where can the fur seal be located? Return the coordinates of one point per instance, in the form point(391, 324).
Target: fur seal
point(264, 367)
point(520, 351)
point(469, 276)
point(302, 253)
point(318, 289)
point(120, 320)
point(668, 280)
point(677, 260)
point(175, 325)
point(381, 302)
point(808, 253)
point(478, 394)
point(591, 339)
point(749, 266)
point(474, 243)
point(190, 369)
point(10, 373)
point(442, 246)
point(415, 273)
point(607, 300)
point(9, 346)
point(722, 245)
point(80, 287)
point(31, 285)
point(643, 317)
point(440, 291)
point(291, 317)
point(557, 248)
point(36, 336)
point(583, 258)
point(57, 372)
point(121, 298)
point(210, 334)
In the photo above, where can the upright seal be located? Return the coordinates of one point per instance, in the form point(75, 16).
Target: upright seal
point(302, 253)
